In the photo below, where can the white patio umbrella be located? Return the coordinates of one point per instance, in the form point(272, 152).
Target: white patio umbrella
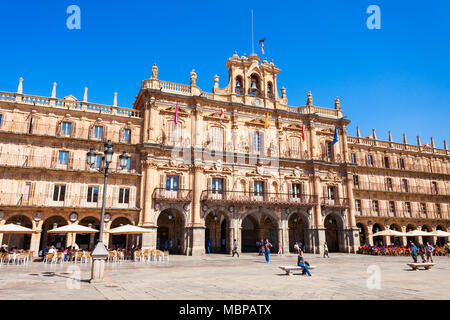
point(418, 233)
point(389, 232)
point(128, 229)
point(440, 233)
point(11, 228)
point(74, 229)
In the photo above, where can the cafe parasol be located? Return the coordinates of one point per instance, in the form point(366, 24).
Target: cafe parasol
point(14, 229)
point(74, 229)
point(129, 229)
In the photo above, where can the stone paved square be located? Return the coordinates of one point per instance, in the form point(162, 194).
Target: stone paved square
point(215, 276)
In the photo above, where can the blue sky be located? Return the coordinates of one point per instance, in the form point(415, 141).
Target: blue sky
point(396, 78)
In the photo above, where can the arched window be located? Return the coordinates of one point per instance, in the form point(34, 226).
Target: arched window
point(269, 90)
point(255, 87)
point(173, 133)
point(217, 139)
point(239, 86)
point(294, 147)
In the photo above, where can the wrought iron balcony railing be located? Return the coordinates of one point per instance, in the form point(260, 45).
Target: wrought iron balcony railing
point(172, 194)
point(258, 197)
point(402, 213)
point(335, 202)
point(386, 187)
point(64, 201)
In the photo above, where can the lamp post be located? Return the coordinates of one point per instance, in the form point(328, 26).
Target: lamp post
point(100, 252)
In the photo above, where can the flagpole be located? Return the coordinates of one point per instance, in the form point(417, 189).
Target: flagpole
point(253, 45)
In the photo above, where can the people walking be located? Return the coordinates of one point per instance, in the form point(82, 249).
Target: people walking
point(422, 252)
point(208, 245)
point(325, 250)
point(261, 243)
point(413, 251)
point(267, 246)
point(301, 263)
point(300, 246)
point(235, 248)
point(280, 248)
point(429, 249)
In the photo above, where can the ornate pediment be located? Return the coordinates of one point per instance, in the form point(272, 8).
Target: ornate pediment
point(293, 127)
point(331, 177)
point(255, 123)
point(171, 110)
point(215, 116)
point(326, 131)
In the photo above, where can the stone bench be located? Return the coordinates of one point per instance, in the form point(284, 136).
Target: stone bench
point(416, 266)
point(289, 270)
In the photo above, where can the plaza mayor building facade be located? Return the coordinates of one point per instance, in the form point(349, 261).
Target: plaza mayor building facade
point(234, 163)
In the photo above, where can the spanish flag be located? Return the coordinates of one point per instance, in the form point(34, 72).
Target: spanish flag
point(266, 124)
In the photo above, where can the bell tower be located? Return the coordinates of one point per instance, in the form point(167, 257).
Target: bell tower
point(251, 82)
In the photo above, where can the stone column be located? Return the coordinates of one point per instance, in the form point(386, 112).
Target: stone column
point(146, 134)
point(149, 184)
point(154, 126)
point(35, 241)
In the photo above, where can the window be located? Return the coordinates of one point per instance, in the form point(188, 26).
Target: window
point(296, 190)
point(26, 194)
point(386, 162)
point(98, 161)
point(434, 187)
point(217, 185)
point(353, 157)
point(92, 194)
point(128, 167)
point(423, 208)
point(257, 141)
point(63, 157)
point(402, 163)
point(331, 192)
point(370, 161)
point(405, 185)
point(171, 183)
point(329, 149)
point(59, 192)
point(408, 208)
point(356, 181)
point(391, 207)
point(295, 146)
point(389, 184)
point(127, 135)
point(98, 132)
point(358, 205)
point(375, 206)
point(217, 139)
point(1, 118)
point(258, 188)
point(438, 210)
point(30, 126)
point(124, 195)
point(66, 128)
point(173, 133)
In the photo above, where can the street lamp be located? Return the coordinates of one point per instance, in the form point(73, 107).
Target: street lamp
point(100, 252)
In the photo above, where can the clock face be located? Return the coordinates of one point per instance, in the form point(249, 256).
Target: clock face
point(256, 102)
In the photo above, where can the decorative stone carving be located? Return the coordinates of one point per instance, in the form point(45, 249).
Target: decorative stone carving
point(260, 170)
point(309, 102)
point(297, 172)
point(73, 216)
point(218, 165)
point(154, 72)
point(107, 216)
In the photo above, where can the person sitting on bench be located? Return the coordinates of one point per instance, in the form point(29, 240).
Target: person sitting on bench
point(301, 263)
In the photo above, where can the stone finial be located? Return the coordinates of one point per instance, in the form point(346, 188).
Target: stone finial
point(155, 71)
point(216, 81)
point(20, 87)
point(337, 104)
point(271, 62)
point(309, 102)
point(85, 97)
point(115, 99)
point(358, 133)
point(404, 139)
point(54, 90)
point(283, 92)
point(418, 141)
point(235, 55)
point(445, 144)
point(390, 136)
point(432, 142)
point(374, 134)
point(193, 78)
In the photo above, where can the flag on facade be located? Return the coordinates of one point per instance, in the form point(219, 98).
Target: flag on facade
point(222, 114)
point(266, 124)
point(335, 139)
point(303, 131)
point(176, 115)
point(262, 45)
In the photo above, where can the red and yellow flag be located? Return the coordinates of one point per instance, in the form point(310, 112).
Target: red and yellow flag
point(266, 124)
